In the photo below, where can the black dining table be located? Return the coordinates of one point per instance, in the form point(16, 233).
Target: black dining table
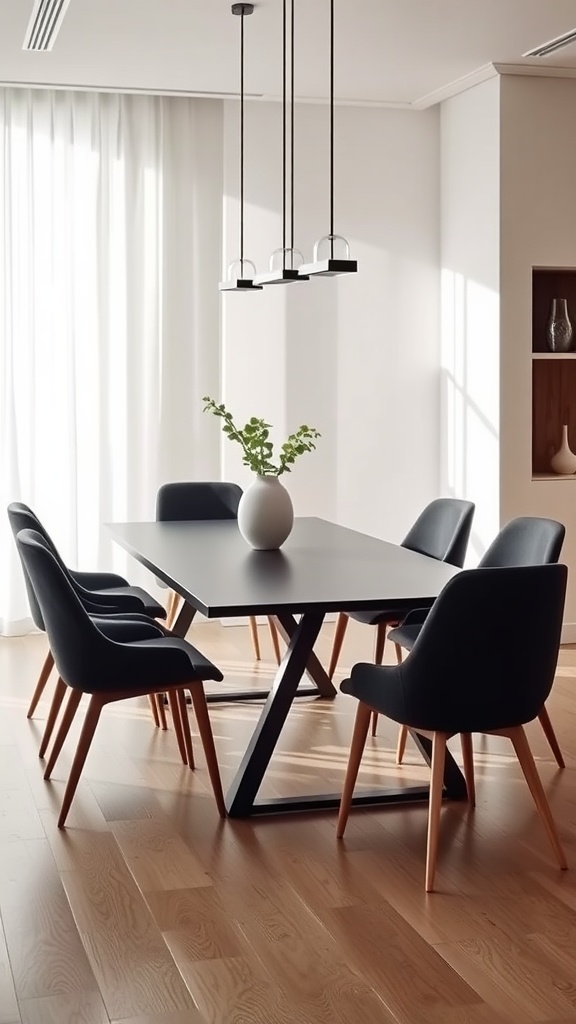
point(321, 568)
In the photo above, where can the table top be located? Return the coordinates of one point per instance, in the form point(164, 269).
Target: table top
point(321, 567)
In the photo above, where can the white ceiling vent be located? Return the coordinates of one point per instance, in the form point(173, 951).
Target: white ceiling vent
point(552, 45)
point(45, 23)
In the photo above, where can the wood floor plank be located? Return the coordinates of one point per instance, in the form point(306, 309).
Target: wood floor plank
point(179, 1017)
point(479, 1013)
point(157, 856)
point(195, 923)
point(235, 990)
point(9, 1013)
point(82, 1008)
point(300, 956)
point(511, 977)
point(46, 954)
point(380, 944)
point(129, 958)
point(524, 905)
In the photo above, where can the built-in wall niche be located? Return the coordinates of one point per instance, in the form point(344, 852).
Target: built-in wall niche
point(553, 373)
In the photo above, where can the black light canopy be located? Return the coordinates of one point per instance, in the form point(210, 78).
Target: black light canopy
point(241, 272)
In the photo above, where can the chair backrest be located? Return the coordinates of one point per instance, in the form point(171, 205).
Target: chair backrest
point(23, 518)
point(75, 642)
point(85, 658)
point(459, 679)
point(527, 540)
point(198, 500)
point(442, 530)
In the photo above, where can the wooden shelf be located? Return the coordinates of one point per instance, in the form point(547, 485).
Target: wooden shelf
point(553, 373)
point(554, 476)
point(554, 355)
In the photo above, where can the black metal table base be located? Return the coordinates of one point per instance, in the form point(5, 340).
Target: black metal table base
point(300, 659)
point(331, 801)
point(231, 696)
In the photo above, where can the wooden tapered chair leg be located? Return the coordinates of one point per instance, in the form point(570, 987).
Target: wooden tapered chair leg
point(207, 738)
point(159, 698)
point(42, 680)
point(378, 657)
point(255, 638)
point(468, 764)
point(546, 724)
point(401, 745)
point(185, 726)
point(172, 608)
point(55, 706)
point(67, 719)
point(359, 736)
point(380, 642)
point(97, 701)
point(524, 755)
point(177, 723)
point(154, 709)
point(402, 731)
point(274, 639)
point(434, 807)
point(339, 632)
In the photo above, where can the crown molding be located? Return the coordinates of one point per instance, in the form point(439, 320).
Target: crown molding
point(536, 70)
point(476, 77)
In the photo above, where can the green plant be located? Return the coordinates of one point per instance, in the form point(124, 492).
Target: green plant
point(258, 450)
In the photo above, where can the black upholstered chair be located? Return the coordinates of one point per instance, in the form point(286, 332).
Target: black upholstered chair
point(506, 681)
point(441, 531)
point(102, 593)
point(526, 540)
point(194, 500)
point(90, 662)
point(122, 627)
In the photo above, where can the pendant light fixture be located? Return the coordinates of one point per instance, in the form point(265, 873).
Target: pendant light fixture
point(331, 254)
point(241, 272)
point(285, 263)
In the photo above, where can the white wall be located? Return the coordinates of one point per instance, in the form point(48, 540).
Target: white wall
point(470, 239)
point(538, 229)
point(356, 356)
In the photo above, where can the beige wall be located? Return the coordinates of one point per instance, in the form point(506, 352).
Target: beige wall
point(538, 202)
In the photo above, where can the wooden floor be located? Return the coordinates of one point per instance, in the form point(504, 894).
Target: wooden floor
point(148, 909)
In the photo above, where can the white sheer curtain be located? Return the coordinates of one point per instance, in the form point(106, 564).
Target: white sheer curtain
point(110, 227)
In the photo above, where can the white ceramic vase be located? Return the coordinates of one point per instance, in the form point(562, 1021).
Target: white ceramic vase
point(265, 514)
point(564, 461)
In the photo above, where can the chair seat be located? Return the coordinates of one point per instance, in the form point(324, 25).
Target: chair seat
point(149, 605)
point(405, 635)
point(376, 618)
point(125, 630)
point(98, 580)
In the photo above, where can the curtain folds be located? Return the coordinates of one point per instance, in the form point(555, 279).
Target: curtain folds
point(110, 219)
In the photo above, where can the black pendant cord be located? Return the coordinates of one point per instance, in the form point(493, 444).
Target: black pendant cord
point(292, 137)
point(331, 182)
point(284, 69)
point(242, 144)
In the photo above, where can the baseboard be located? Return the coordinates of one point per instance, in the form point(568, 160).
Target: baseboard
point(568, 635)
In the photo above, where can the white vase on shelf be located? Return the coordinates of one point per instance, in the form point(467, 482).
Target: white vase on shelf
point(265, 514)
point(563, 461)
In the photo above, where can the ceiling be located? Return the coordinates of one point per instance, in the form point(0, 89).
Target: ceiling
point(397, 52)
